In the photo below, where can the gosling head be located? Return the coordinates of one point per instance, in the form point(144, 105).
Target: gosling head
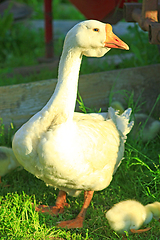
point(154, 208)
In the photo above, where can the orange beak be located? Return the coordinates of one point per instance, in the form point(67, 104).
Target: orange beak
point(112, 41)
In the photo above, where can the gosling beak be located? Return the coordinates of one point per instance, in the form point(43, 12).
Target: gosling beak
point(112, 41)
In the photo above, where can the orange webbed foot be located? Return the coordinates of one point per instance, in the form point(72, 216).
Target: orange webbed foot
point(74, 223)
point(51, 210)
point(57, 209)
point(78, 221)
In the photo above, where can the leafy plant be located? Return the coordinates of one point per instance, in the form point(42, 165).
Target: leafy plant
point(61, 9)
point(137, 177)
point(6, 24)
point(83, 108)
point(6, 134)
point(144, 52)
point(2, 133)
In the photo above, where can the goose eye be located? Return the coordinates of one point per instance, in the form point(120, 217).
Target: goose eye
point(95, 29)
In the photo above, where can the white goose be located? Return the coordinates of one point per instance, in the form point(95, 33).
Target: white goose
point(130, 215)
point(74, 151)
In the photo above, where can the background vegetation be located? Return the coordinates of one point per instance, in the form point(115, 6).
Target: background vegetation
point(138, 176)
point(22, 46)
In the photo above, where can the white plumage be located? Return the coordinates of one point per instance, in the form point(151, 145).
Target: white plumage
point(131, 215)
point(74, 151)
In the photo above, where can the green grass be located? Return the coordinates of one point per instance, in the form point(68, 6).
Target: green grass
point(137, 177)
point(61, 9)
point(22, 47)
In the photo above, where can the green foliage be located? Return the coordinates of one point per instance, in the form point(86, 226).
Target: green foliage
point(83, 108)
point(144, 52)
point(66, 10)
point(61, 9)
point(6, 134)
point(17, 79)
point(2, 133)
point(20, 46)
point(6, 24)
point(137, 177)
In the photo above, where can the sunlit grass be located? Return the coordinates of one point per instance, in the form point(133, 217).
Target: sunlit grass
point(138, 177)
point(21, 46)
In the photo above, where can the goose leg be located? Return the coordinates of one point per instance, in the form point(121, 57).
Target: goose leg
point(78, 221)
point(58, 208)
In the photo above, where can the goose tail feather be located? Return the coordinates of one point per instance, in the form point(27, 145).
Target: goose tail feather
point(121, 121)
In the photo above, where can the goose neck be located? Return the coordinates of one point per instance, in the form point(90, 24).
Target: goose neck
point(64, 98)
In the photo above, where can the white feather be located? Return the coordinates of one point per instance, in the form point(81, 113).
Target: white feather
point(130, 214)
point(67, 150)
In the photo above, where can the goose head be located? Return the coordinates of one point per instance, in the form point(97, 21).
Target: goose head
point(93, 38)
